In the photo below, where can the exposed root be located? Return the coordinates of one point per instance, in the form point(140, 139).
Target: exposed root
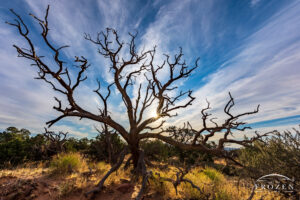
point(141, 169)
point(99, 186)
point(252, 192)
point(141, 166)
point(127, 164)
point(144, 185)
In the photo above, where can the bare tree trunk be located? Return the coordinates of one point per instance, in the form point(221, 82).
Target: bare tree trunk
point(109, 149)
point(135, 152)
point(109, 144)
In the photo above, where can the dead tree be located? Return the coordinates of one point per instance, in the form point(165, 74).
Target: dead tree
point(153, 92)
point(108, 143)
point(190, 139)
point(55, 142)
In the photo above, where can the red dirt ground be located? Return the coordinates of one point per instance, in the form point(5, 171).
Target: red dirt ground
point(45, 188)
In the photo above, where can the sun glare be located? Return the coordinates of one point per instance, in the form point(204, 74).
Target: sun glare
point(154, 114)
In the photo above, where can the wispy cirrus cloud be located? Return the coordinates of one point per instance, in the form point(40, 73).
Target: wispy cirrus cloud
point(266, 71)
point(254, 57)
point(254, 2)
point(30, 105)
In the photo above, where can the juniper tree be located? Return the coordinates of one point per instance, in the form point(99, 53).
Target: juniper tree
point(153, 92)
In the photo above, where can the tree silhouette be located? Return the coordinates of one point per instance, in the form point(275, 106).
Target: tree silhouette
point(153, 92)
point(55, 141)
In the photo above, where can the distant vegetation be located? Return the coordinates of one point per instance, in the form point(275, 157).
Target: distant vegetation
point(18, 146)
point(277, 154)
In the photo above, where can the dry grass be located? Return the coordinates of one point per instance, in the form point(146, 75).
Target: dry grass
point(24, 172)
point(213, 182)
point(66, 163)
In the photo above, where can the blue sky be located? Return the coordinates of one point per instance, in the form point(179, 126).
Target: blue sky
point(250, 48)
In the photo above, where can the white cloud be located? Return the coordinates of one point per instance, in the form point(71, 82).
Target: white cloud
point(265, 72)
point(254, 2)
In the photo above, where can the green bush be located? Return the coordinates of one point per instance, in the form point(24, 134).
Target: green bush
point(66, 188)
point(65, 163)
point(98, 149)
point(158, 185)
point(211, 181)
point(214, 175)
point(222, 195)
point(157, 150)
point(277, 154)
point(15, 147)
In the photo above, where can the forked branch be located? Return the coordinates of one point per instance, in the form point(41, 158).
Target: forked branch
point(191, 139)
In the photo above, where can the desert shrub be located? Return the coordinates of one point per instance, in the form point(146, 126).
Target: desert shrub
point(277, 154)
point(159, 186)
point(191, 157)
point(160, 151)
point(38, 150)
point(188, 192)
point(77, 145)
point(211, 181)
point(222, 195)
point(157, 150)
point(102, 167)
point(199, 179)
point(65, 188)
point(65, 163)
point(214, 175)
point(98, 149)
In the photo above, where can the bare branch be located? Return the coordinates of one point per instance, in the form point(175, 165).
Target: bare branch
point(60, 79)
point(190, 139)
point(180, 179)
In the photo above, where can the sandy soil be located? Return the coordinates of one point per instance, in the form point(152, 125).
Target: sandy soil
point(46, 188)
